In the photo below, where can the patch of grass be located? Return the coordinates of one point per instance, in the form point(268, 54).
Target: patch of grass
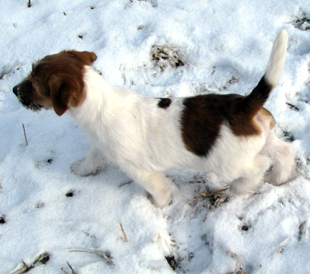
point(164, 56)
point(302, 22)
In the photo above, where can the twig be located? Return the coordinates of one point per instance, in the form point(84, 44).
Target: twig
point(63, 270)
point(25, 135)
point(41, 259)
point(301, 230)
point(239, 263)
point(122, 228)
point(293, 107)
point(24, 269)
point(101, 253)
point(207, 194)
point(73, 272)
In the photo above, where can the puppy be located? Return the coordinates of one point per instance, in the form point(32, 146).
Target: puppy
point(231, 135)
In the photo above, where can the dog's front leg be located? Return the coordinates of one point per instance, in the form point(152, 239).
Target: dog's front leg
point(156, 184)
point(91, 165)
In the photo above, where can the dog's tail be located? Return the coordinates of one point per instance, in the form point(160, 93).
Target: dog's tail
point(256, 99)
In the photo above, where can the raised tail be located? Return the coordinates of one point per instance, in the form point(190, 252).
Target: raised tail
point(257, 98)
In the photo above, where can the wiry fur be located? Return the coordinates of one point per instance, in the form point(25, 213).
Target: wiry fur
point(230, 135)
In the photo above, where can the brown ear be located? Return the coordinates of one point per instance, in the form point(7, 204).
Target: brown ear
point(63, 89)
point(86, 57)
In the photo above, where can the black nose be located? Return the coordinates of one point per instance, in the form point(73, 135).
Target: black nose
point(15, 90)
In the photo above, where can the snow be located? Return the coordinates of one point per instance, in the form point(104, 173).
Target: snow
point(226, 45)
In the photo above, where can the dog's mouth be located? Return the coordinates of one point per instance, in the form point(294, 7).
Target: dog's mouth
point(24, 92)
point(34, 107)
point(29, 104)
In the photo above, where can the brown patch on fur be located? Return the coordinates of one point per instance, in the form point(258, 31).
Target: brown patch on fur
point(203, 116)
point(252, 103)
point(268, 116)
point(56, 81)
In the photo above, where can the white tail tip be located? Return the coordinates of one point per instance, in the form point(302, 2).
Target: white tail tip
point(277, 59)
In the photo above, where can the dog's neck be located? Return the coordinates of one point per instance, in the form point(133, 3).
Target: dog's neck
point(102, 99)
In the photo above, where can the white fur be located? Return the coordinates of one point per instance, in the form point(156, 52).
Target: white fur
point(277, 59)
point(144, 140)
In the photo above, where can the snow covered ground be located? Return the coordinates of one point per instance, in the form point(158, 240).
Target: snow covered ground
point(76, 221)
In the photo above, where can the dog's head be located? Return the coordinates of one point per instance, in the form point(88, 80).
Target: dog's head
point(56, 81)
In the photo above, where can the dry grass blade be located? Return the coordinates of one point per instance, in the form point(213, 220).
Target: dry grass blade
point(104, 255)
point(62, 269)
point(25, 268)
point(302, 229)
point(283, 245)
point(72, 270)
point(239, 263)
point(6, 70)
point(41, 259)
point(25, 135)
point(122, 228)
point(207, 194)
point(293, 107)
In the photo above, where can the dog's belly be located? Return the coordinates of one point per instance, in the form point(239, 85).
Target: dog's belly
point(227, 159)
point(230, 155)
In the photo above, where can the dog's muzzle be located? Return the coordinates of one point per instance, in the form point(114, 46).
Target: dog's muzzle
point(24, 94)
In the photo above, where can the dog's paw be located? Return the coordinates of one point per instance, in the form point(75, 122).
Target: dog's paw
point(163, 201)
point(81, 168)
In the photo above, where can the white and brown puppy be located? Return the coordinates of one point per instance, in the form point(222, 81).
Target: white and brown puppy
point(231, 135)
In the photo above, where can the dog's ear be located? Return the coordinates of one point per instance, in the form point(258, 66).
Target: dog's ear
point(63, 89)
point(86, 57)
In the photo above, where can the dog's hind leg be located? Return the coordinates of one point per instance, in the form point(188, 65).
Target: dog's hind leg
point(156, 184)
point(252, 175)
point(282, 155)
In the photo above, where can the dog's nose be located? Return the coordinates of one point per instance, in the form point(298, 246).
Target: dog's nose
point(15, 90)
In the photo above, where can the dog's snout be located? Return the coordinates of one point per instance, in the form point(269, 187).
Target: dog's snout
point(16, 89)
